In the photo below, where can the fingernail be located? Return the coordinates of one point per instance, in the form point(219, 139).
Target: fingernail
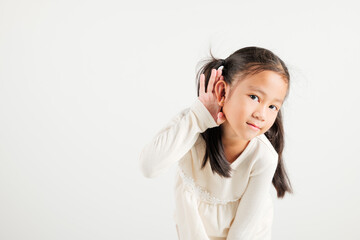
point(221, 67)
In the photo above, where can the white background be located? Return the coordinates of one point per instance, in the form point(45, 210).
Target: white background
point(85, 84)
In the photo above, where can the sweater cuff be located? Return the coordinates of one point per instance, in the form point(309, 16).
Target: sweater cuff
point(206, 120)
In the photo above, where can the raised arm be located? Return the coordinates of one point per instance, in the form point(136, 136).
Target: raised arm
point(251, 206)
point(173, 141)
point(180, 134)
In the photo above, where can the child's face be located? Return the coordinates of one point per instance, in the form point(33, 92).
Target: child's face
point(248, 106)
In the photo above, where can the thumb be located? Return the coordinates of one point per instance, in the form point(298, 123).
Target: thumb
point(220, 118)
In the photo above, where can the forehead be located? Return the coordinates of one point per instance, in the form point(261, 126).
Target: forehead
point(270, 83)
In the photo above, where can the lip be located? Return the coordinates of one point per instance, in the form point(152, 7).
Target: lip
point(253, 126)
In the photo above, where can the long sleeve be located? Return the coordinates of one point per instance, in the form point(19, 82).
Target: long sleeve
point(251, 205)
point(173, 141)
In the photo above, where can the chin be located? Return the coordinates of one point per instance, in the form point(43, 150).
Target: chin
point(247, 137)
point(250, 137)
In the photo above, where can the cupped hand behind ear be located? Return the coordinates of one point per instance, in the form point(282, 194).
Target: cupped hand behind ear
point(209, 99)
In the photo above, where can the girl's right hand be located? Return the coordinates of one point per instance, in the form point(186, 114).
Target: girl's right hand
point(208, 98)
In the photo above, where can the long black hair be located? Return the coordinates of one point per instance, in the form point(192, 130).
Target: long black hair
point(244, 62)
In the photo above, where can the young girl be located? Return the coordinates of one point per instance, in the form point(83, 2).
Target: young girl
point(228, 145)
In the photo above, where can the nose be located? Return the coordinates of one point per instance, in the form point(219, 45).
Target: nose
point(259, 113)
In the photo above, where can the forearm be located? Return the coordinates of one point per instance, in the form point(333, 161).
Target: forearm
point(175, 140)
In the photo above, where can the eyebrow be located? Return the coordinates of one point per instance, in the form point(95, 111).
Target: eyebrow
point(263, 93)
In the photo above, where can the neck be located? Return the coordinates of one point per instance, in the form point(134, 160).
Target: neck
point(233, 145)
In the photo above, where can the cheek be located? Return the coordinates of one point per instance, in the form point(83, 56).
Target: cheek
point(238, 107)
point(235, 113)
point(271, 122)
point(272, 118)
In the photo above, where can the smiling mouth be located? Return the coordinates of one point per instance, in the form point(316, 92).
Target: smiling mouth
point(254, 126)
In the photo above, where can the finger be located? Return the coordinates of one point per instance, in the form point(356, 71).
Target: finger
point(220, 118)
point(218, 75)
point(211, 81)
point(220, 68)
point(219, 71)
point(202, 84)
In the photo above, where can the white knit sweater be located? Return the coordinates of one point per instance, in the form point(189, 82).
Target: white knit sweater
point(207, 205)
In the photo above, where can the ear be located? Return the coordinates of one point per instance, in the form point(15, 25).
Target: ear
point(220, 91)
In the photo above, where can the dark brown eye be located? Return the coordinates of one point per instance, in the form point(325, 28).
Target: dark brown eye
point(274, 106)
point(253, 96)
